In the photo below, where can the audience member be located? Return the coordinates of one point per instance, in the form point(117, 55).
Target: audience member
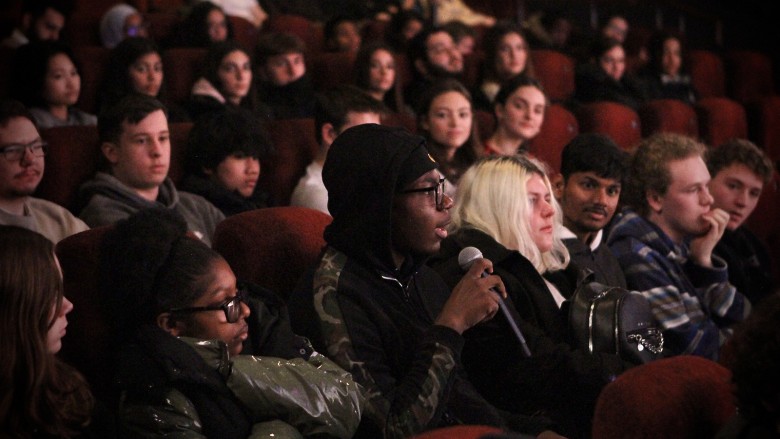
point(445, 11)
point(604, 77)
point(183, 328)
point(376, 73)
point(403, 27)
point(46, 79)
point(308, 9)
point(382, 314)
point(433, 56)
point(446, 120)
point(616, 28)
point(464, 36)
point(204, 25)
point(336, 110)
point(506, 57)
point(588, 189)
point(249, 10)
point(524, 244)
point(519, 108)
point(283, 84)
point(665, 76)
point(754, 360)
point(225, 152)
point(119, 22)
point(551, 28)
point(342, 34)
point(226, 81)
point(664, 242)
point(21, 170)
point(739, 171)
point(42, 396)
point(135, 66)
point(136, 145)
point(41, 20)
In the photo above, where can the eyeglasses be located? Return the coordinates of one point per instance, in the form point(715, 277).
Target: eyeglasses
point(438, 192)
point(15, 152)
point(231, 307)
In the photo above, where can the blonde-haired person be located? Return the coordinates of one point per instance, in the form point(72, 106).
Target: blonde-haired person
point(505, 208)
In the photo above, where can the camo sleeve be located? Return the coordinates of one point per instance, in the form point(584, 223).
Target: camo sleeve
point(399, 406)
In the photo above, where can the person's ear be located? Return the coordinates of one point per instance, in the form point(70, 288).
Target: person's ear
point(110, 152)
point(654, 201)
point(558, 184)
point(329, 133)
point(170, 325)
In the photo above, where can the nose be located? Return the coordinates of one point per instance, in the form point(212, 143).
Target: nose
point(67, 306)
point(252, 166)
point(706, 197)
point(741, 199)
point(601, 196)
point(547, 209)
point(446, 202)
point(155, 148)
point(27, 157)
point(245, 311)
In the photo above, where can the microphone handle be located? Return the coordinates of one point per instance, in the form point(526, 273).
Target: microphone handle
point(513, 325)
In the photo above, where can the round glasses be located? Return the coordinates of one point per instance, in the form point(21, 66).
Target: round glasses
point(438, 192)
point(231, 307)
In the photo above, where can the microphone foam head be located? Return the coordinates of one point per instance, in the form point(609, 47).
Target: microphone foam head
point(467, 256)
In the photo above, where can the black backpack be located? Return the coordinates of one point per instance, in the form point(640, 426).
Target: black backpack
point(613, 320)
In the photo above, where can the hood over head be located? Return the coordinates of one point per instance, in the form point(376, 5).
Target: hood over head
point(366, 166)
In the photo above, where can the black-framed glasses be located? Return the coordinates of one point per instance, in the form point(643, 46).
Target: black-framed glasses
point(438, 192)
point(15, 152)
point(231, 307)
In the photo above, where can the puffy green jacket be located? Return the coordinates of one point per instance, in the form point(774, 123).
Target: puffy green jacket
point(286, 398)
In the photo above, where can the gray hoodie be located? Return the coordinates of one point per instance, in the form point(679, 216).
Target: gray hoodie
point(108, 200)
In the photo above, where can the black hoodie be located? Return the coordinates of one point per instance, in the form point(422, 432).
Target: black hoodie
point(375, 320)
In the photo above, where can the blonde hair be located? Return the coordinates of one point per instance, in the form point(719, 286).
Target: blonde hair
point(493, 199)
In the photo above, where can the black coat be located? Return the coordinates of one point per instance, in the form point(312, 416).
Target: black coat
point(557, 379)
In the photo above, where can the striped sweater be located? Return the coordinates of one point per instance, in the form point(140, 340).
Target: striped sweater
point(695, 305)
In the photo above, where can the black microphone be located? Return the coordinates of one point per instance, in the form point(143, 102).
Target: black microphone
point(466, 259)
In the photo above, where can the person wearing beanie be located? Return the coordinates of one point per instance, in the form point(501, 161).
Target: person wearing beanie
point(375, 307)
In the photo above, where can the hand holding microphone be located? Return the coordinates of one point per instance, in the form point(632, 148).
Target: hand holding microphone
point(467, 259)
point(474, 299)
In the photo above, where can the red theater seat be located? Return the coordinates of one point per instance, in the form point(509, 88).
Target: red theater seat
point(72, 159)
point(707, 73)
point(307, 30)
point(668, 116)
point(93, 61)
point(749, 75)
point(617, 121)
point(677, 397)
point(272, 247)
point(182, 67)
point(555, 71)
point(329, 69)
point(295, 146)
point(559, 128)
point(720, 119)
